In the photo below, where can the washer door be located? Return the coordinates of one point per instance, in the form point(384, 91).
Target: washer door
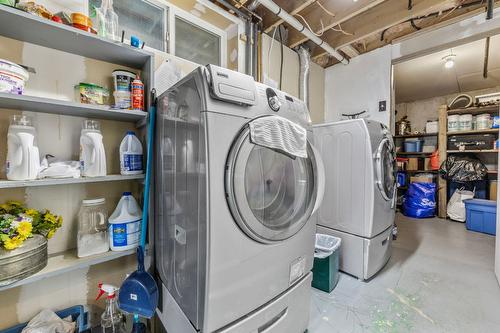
point(270, 194)
point(386, 169)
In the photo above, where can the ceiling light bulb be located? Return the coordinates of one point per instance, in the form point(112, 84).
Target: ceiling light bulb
point(449, 63)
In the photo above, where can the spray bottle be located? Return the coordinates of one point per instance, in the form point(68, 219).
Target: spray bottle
point(112, 318)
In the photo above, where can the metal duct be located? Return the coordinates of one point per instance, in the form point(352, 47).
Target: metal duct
point(277, 10)
point(305, 64)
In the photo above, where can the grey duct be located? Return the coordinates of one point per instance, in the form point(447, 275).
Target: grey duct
point(305, 64)
point(280, 12)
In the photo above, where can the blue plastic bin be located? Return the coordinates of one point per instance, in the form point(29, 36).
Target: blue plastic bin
point(413, 146)
point(481, 215)
point(76, 312)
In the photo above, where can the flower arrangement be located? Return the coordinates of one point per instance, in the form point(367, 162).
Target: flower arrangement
point(18, 223)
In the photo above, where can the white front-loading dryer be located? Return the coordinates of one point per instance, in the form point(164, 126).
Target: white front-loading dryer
point(359, 199)
point(234, 238)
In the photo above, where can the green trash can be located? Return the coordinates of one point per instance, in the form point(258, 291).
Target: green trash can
point(326, 262)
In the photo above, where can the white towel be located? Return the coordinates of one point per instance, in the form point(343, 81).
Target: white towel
point(279, 133)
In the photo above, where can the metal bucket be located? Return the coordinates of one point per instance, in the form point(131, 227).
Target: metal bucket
point(24, 261)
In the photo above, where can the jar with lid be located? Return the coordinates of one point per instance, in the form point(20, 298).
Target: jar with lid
point(92, 228)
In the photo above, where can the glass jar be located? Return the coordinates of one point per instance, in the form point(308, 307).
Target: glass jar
point(92, 228)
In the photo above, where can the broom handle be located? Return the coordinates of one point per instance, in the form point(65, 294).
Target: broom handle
point(149, 162)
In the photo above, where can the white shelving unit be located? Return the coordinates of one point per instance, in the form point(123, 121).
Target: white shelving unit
point(4, 184)
point(67, 261)
point(25, 27)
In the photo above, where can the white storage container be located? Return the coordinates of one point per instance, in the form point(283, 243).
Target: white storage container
point(465, 122)
point(483, 121)
point(12, 77)
point(431, 127)
point(131, 155)
point(92, 228)
point(453, 123)
point(125, 224)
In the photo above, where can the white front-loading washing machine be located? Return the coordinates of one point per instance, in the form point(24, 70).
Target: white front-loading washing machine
point(360, 192)
point(234, 237)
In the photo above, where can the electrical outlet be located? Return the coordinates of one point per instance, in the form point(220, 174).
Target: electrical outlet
point(382, 106)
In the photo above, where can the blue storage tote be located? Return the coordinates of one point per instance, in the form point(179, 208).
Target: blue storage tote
point(481, 215)
point(479, 187)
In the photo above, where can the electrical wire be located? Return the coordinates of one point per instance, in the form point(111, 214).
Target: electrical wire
point(281, 61)
point(309, 27)
point(326, 10)
point(269, 52)
point(341, 30)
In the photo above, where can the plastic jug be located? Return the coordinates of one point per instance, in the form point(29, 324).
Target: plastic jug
point(92, 154)
point(92, 228)
point(125, 224)
point(107, 20)
point(131, 155)
point(23, 159)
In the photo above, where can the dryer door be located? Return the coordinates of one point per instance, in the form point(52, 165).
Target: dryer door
point(385, 164)
point(270, 194)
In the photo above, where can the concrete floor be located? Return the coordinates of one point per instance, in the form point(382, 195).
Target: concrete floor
point(439, 279)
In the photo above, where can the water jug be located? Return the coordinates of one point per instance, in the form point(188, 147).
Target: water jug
point(92, 154)
point(125, 224)
point(92, 228)
point(23, 160)
point(130, 155)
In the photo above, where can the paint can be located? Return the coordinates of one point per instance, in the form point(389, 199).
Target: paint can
point(465, 122)
point(453, 123)
point(483, 121)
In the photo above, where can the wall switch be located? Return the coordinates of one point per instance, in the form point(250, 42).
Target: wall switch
point(382, 106)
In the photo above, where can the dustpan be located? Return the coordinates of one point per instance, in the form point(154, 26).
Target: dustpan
point(139, 293)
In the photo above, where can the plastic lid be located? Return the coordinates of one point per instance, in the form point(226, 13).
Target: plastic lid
point(127, 193)
point(123, 72)
point(130, 133)
point(95, 201)
point(14, 69)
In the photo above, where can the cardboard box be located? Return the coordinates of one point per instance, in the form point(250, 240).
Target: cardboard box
point(493, 190)
point(412, 164)
point(421, 179)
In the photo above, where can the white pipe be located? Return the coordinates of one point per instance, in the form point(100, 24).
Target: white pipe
point(277, 10)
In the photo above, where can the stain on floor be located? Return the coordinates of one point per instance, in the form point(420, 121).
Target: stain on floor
point(440, 278)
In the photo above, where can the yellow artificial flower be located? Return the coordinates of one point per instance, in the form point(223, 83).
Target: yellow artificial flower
point(31, 212)
point(24, 229)
point(50, 218)
point(12, 243)
point(59, 221)
point(51, 233)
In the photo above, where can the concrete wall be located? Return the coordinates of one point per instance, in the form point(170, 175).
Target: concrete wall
point(290, 81)
point(359, 86)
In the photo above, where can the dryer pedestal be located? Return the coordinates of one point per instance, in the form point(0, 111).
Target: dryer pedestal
point(362, 257)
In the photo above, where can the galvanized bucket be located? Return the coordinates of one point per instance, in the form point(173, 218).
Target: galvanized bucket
point(24, 261)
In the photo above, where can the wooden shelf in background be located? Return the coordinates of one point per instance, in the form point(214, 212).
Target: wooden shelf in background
point(472, 151)
point(403, 153)
point(486, 131)
point(476, 110)
point(406, 136)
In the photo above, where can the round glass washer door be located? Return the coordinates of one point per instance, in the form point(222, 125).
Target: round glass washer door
point(386, 169)
point(270, 194)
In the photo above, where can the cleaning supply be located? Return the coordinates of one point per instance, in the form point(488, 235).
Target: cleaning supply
point(107, 21)
point(125, 224)
point(23, 160)
point(139, 292)
point(12, 77)
point(92, 154)
point(92, 237)
point(111, 318)
point(131, 155)
point(137, 94)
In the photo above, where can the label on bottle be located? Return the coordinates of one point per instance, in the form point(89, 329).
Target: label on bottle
point(124, 234)
point(132, 162)
point(137, 95)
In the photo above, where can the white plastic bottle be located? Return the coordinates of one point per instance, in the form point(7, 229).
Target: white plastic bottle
point(23, 160)
point(92, 154)
point(125, 224)
point(131, 155)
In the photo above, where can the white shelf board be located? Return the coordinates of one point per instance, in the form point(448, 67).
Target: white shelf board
point(29, 28)
point(54, 106)
point(64, 181)
point(67, 261)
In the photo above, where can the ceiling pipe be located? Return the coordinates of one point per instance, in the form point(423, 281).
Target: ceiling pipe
point(305, 63)
point(281, 13)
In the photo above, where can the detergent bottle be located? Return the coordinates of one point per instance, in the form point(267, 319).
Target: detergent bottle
point(130, 155)
point(125, 224)
point(111, 318)
point(23, 159)
point(92, 154)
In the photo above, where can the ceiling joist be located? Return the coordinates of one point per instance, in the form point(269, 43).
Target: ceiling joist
point(291, 7)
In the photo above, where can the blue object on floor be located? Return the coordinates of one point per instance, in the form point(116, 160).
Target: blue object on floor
point(76, 312)
point(420, 200)
point(479, 187)
point(401, 177)
point(481, 215)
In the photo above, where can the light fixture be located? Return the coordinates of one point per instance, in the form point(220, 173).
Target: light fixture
point(449, 61)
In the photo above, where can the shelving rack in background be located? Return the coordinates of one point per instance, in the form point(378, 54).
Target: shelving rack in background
point(443, 144)
point(25, 27)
